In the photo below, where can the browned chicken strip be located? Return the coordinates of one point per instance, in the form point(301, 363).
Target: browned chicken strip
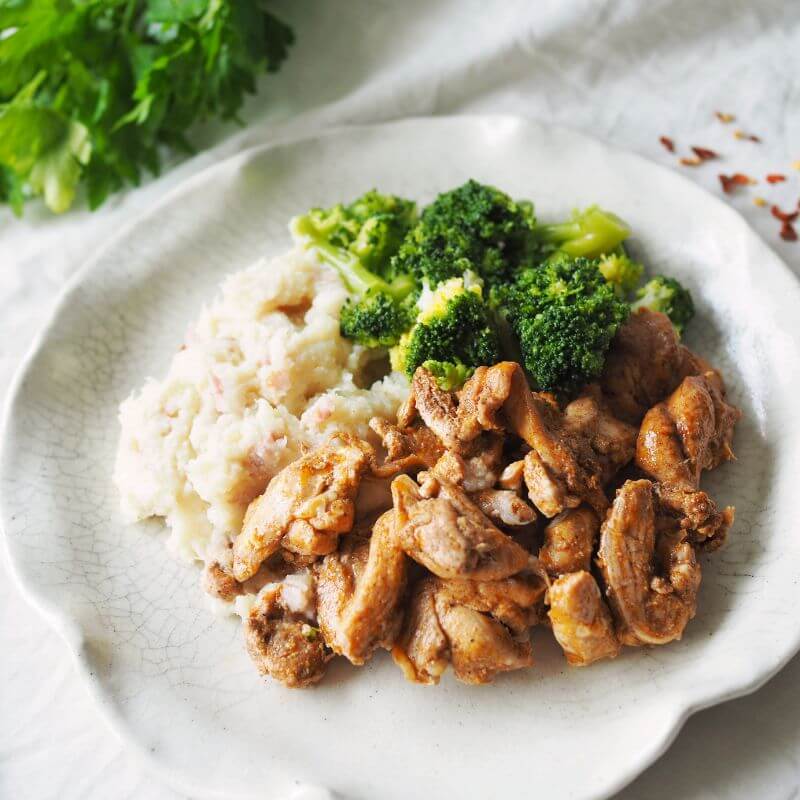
point(680, 438)
point(478, 468)
point(306, 506)
point(504, 507)
point(581, 621)
point(652, 591)
point(359, 589)
point(645, 363)
point(569, 541)
point(282, 644)
point(612, 442)
point(442, 529)
point(479, 627)
point(415, 447)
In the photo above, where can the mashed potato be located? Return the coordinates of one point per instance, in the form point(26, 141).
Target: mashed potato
point(262, 374)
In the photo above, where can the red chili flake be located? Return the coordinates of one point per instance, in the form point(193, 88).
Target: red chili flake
point(691, 162)
point(704, 154)
point(750, 137)
point(667, 142)
point(784, 216)
point(775, 177)
point(788, 233)
point(730, 182)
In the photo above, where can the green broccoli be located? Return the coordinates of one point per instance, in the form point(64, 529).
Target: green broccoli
point(359, 240)
point(449, 375)
point(621, 271)
point(668, 296)
point(564, 315)
point(378, 319)
point(588, 234)
point(474, 227)
point(453, 328)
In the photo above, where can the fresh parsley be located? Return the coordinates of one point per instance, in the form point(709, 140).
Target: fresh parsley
point(92, 90)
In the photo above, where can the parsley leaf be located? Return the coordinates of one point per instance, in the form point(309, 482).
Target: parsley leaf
point(92, 90)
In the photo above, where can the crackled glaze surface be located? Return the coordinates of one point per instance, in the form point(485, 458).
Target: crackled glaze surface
point(177, 682)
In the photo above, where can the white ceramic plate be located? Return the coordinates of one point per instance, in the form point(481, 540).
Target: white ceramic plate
point(177, 684)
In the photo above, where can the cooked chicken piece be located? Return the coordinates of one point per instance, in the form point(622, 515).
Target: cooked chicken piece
point(644, 364)
point(282, 643)
point(652, 591)
point(613, 442)
point(482, 398)
point(581, 621)
point(459, 420)
point(513, 477)
point(479, 627)
point(437, 408)
point(442, 529)
point(478, 468)
point(680, 438)
point(415, 447)
point(306, 506)
point(569, 541)
point(219, 583)
point(359, 589)
point(504, 507)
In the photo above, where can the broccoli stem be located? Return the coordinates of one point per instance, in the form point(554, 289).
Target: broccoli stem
point(356, 276)
point(589, 234)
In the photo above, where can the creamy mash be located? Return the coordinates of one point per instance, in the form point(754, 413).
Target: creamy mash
point(263, 374)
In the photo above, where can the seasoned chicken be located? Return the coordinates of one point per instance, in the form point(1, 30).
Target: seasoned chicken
point(219, 583)
point(652, 589)
point(478, 468)
point(459, 419)
point(282, 643)
point(478, 627)
point(306, 506)
point(581, 621)
point(644, 364)
point(513, 477)
point(680, 438)
point(612, 442)
point(442, 529)
point(504, 507)
point(414, 447)
point(359, 589)
point(569, 541)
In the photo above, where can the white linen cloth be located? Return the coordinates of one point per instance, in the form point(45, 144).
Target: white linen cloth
point(625, 72)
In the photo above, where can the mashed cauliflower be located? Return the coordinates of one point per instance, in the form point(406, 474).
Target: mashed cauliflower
point(263, 374)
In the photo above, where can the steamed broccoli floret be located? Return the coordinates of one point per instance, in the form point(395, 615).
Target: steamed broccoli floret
point(564, 315)
point(474, 227)
point(454, 327)
point(589, 234)
point(377, 320)
point(621, 271)
point(359, 240)
point(668, 296)
point(450, 376)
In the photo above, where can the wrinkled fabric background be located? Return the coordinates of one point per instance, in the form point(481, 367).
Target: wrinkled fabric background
point(625, 72)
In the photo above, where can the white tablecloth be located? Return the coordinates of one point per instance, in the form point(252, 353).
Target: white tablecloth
point(626, 72)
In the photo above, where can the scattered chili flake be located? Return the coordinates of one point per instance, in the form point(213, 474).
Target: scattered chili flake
point(730, 182)
point(691, 162)
point(775, 177)
point(759, 201)
point(704, 154)
point(788, 233)
point(722, 117)
point(784, 216)
point(667, 142)
point(749, 136)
